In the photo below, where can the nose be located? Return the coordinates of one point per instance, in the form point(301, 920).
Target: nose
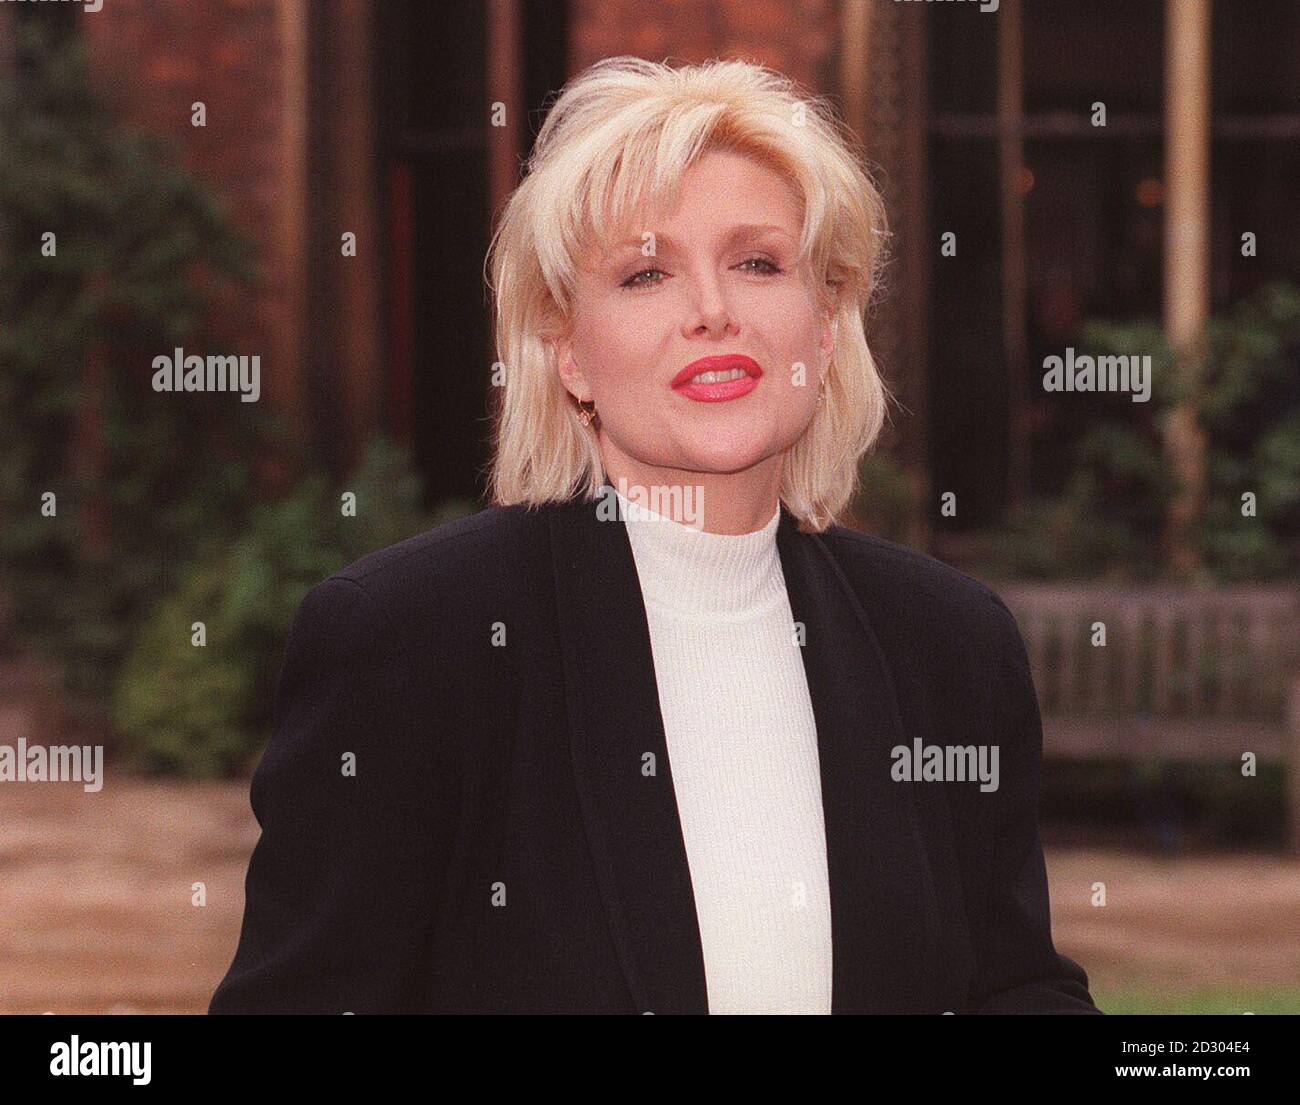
point(709, 313)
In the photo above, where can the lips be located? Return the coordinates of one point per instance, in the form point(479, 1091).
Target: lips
point(717, 391)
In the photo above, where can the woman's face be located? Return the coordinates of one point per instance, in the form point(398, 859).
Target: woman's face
point(722, 281)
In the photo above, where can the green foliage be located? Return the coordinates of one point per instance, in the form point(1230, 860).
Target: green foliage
point(161, 527)
point(205, 711)
point(1174, 999)
point(143, 258)
point(1251, 411)
point(1108, 522)
point(885, 501)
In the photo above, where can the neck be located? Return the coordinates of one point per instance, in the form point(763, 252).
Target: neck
point(714, 502)
point(697, 574)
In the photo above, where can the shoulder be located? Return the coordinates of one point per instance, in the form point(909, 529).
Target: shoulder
point(430, 572)
point(451, 574)
point(464, 546)
point(936, 623)
point(911, 584)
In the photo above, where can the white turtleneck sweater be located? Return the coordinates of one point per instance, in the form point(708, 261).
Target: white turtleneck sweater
point(742, 746)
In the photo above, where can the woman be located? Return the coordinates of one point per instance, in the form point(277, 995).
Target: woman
point(651, 734)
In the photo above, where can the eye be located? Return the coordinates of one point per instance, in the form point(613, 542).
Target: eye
point(633, 281)
point(767, 268)
point(771, 269)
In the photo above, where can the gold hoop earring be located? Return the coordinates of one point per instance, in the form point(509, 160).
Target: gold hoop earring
point(585, 416)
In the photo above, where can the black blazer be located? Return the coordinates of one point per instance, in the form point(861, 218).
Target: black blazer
point(498, 849)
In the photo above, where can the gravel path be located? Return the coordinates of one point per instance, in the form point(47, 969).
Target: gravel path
point(96, 894)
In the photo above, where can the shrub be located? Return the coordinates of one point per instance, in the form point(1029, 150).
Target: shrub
point(206, 711)
point(142, 255)
point(1109, 520)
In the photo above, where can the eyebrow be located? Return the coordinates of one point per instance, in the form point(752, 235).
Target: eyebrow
point(740, 232)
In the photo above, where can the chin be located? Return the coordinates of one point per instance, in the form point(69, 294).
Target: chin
point(721, 457)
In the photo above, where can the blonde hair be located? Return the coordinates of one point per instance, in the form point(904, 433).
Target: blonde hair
point(621, 134)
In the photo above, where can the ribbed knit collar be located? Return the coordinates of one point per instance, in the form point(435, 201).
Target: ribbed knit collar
point(697, 574)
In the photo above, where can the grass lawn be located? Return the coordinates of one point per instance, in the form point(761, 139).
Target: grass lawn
point(1268, 999)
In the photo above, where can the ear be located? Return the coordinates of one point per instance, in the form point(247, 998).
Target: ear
point(574, 379)
point(830, 333)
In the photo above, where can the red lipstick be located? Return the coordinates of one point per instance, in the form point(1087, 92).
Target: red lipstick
point(718, 391)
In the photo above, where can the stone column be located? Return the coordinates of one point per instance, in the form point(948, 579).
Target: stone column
point(1186, 257)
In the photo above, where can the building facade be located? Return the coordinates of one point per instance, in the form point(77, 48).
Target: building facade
point(1043, 164)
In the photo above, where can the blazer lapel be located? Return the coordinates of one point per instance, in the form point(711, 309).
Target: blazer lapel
point(883, 906)
point(881, 890)
point(615, 727)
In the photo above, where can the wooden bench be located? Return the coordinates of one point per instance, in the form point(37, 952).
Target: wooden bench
point(1185, 675)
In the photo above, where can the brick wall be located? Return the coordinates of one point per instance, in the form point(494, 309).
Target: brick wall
point(154, 61)
point(795, 37)
point(157, 57)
